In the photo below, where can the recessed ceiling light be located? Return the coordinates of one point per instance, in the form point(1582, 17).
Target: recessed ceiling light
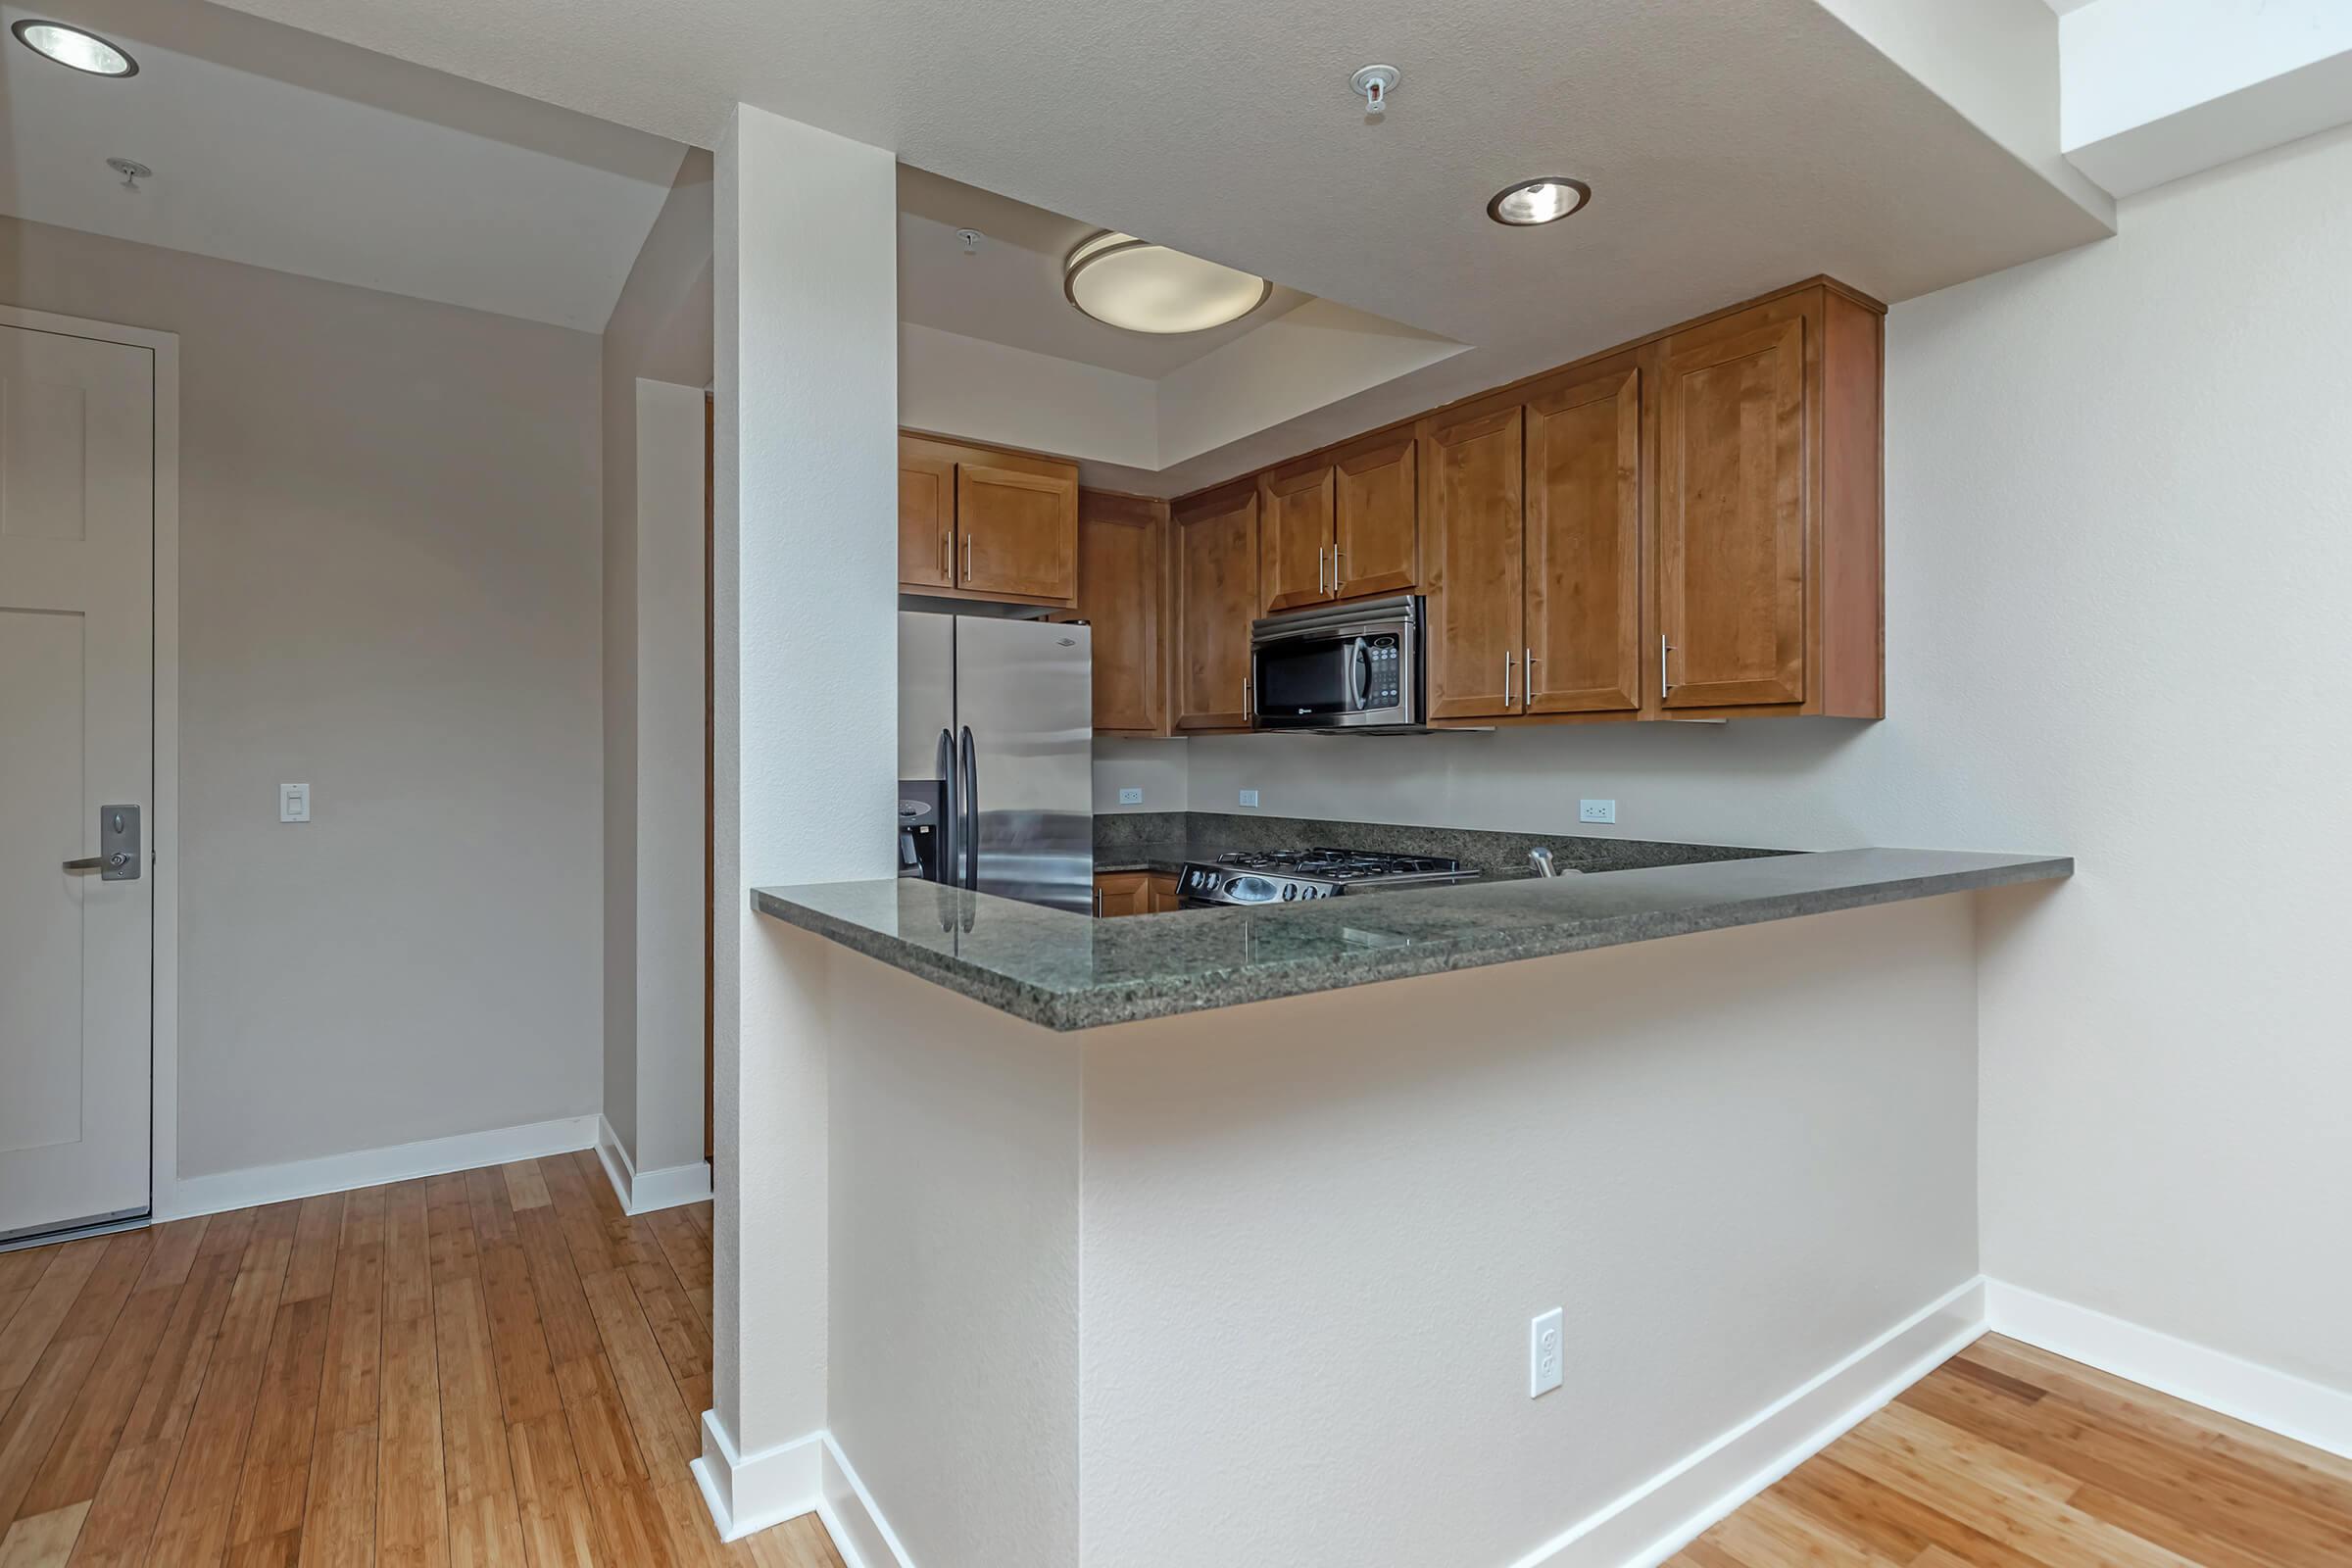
point(71, 46)
point(1537, 201)
point(1145, 287)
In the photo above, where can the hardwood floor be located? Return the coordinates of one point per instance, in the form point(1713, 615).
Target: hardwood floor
point(500, 1369)
point(495, 1368)
point(2009, 1457)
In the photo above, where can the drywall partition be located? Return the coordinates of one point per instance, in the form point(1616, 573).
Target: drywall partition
point(2115, 485)
point(389, 592)
point(660, 339)
point(806, 686)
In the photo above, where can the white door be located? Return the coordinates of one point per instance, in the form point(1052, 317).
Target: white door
point(77, 733)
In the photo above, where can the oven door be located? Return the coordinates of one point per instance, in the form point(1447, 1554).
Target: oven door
point(1350, 666)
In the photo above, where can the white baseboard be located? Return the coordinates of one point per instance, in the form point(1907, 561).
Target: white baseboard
point(641, 1191)
point(1658, 1518)
point(747, 1494)
point(2263, 1396)
point(371, 1168)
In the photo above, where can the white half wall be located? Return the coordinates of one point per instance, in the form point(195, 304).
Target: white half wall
point(806, 491)
point(950, 384)
point(2115, 481)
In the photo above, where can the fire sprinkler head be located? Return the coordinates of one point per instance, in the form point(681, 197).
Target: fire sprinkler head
point(1373, 84)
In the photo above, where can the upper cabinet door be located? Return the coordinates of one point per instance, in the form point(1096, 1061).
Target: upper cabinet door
point(1584, 533)
point(926, 515)
point(1294, 538)
point(1732, 511)
point(1216, 591)
point(1471, 520)
point(1377, 532)
point(1018, 533)
point(1122, 557)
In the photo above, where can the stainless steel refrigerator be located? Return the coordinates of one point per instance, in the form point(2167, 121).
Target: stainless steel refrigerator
point(999, 713)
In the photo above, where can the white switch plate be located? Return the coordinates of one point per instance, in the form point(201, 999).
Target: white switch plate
point(1597, 810)
point(1544, 1353)
point(293, 803)
point(1131, 796)
point(1249, 796)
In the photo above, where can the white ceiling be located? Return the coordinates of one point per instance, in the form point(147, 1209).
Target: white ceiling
point(288, 150)
point(1009, 289)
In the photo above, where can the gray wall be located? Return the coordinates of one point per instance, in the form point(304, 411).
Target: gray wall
point(389, 590)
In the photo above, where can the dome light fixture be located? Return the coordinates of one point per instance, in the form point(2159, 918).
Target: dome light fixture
point(75, 48)
point(1532, 202)
point(1141, 287)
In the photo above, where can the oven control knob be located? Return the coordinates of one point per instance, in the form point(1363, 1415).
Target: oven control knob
point(1290, 891)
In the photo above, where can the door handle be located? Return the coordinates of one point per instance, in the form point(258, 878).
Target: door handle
point(118, 856)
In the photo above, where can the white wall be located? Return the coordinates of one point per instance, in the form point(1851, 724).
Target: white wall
point(389, 589)
point(806, 488)
point(950, 384)
point(659, 336)
point(2116, 568)
point(1157, 768)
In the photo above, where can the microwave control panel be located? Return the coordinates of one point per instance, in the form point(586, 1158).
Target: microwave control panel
point(1385, 687)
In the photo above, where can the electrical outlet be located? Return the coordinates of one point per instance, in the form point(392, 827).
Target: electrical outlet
point(1544, 1354)
point(1131, 796)
point(293, 803)
point(1249, 796)
point(1597, 810)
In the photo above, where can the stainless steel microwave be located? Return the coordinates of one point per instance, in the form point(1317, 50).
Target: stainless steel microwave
point(1340, 667)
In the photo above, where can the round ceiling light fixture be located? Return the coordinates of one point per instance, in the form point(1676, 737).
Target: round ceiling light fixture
point(1537, 201)
point(1142, 287)
point(73, 47)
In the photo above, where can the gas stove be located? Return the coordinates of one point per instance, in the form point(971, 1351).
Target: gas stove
point(1289, 876)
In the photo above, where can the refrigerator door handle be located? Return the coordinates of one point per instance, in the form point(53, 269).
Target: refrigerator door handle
point(951, 845)
point(969, 769)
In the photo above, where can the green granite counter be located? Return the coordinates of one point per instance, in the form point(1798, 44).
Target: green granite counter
point(1067, 971)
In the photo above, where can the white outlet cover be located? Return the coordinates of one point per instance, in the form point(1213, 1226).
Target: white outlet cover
point(1131, 796)
point(1249, 796)
point(1546, 1351)
point(1597, 810)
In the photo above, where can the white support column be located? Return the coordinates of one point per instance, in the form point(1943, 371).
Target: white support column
point(805, 680)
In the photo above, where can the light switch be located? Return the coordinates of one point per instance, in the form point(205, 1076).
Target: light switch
point(293, 803)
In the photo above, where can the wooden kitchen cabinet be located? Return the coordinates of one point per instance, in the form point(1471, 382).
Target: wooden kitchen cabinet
point(1472, 560)
point(975, 523)
point(1376, 533)
point(1123, 595)
point(1216, 597)
point(1581, 652)
point(1294, 537)
point(926, 514)
point(1121, 893)
point(1767, 527)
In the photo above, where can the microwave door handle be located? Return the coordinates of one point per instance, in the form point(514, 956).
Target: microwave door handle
point(1359, 674)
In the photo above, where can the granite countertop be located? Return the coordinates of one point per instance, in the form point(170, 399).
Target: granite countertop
point(1069, 971)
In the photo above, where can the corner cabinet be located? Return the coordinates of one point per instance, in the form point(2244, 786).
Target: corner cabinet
point(979, 524)
point(1216, 597)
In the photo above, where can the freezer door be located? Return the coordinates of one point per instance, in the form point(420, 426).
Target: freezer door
point(1024, 689)
point(927, 719)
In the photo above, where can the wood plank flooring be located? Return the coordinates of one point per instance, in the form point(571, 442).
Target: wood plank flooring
point(496, 1369)
point(500, 1368)
point(2007, 1456)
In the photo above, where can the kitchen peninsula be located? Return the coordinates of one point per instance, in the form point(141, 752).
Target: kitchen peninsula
point(1324, 1162)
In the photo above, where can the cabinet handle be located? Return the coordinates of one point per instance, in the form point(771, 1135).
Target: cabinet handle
point(1320, 571)
point(1248, 711)
point(1507, 678)
point(1527, 675)
point(967, 558)
point(1097, 903)
point(1336, 581)
point(946, 556)
point(1665, 685)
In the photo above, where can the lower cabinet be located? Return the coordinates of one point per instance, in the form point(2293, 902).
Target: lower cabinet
point(1119, 892)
